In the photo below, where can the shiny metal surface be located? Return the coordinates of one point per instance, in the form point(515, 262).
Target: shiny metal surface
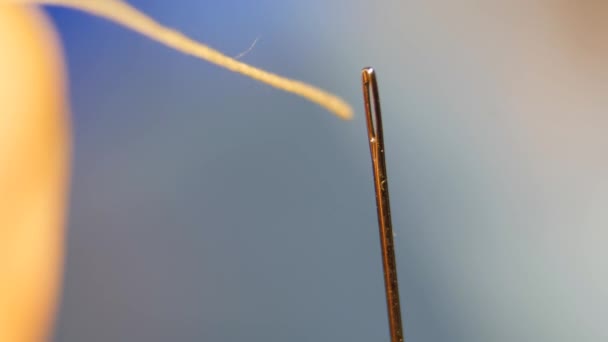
point(376, 145)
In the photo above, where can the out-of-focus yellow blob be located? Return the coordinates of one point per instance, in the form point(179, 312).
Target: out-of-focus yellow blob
point(34, 155)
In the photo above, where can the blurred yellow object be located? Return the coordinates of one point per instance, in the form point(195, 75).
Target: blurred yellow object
point(34, 166)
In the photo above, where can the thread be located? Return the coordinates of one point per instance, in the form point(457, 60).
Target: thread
point(126, 15)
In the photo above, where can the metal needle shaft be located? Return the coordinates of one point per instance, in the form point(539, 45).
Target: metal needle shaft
point(376, 145)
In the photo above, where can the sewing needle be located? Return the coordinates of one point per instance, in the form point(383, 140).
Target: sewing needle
point(376, 145)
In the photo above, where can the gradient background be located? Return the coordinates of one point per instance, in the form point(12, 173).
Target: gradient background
point(208, 207)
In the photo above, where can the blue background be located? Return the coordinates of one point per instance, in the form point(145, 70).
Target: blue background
point(208, 207)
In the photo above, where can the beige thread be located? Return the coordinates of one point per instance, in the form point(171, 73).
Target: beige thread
point(122, 13)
